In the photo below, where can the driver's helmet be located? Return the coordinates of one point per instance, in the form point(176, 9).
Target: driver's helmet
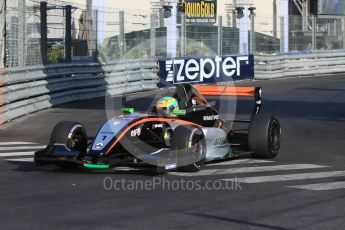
point(168, 104)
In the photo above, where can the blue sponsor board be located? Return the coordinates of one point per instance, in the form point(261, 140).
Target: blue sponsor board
point(209, 70)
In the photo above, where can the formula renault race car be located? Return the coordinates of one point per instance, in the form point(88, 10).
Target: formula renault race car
point(183, 132)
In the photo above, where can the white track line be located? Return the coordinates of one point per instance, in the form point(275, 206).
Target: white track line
point(21, 148)
point(321, 186)
point(15, 154)
point(251, 169)
point(16, 143)
point(21, 160)
point(289, 177)
point(240, 161)
point(124, 169)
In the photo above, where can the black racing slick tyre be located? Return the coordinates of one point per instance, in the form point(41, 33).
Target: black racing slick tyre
point(264, 136)
point(71, 134)
point(190, 146)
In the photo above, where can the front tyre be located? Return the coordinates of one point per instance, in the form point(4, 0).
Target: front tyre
point(189, 143)
point(72, 135)
point(264, 136)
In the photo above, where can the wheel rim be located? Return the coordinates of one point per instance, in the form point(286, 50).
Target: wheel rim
point(77, 141)
point(197, 149)
point(274, 136)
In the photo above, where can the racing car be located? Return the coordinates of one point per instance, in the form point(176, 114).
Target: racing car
point(181, 133)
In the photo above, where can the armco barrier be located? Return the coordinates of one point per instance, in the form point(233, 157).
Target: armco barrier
point(295, 65)
point(27, 90)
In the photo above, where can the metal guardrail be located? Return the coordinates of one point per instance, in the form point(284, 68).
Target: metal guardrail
point(27, 90)
point(302, 64)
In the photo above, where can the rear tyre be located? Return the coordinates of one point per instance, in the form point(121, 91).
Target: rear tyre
point(189, 143)
point(264, 136)
point(71, 134)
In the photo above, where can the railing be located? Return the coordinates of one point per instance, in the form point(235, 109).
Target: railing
point(27, 90)
point(302, 64)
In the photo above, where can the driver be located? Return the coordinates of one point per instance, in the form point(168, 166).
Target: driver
point(168, 104)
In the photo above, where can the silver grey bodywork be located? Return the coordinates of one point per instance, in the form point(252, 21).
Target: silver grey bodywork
point(217, 144)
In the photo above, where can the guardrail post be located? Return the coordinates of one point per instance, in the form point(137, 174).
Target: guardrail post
point(183, 34)
point(244, 40)
point(95, 35)
point(68, 34)
point(161, 14)
point(21, 33)
point(313, 40)
point(284, 26)
point(220, 36)
point(172, 32)
point(44, 33)
point(343, 31)
point(234, 16)
point(252, 33)
point(282, 35)
point(122, 42)
point(153, 36)
point(275, 19)
point(2, 34)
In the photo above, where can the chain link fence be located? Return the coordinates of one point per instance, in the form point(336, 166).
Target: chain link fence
point(320, 33)
point(23, 32)
point(106, 34)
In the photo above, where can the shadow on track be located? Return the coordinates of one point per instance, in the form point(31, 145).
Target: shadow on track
point(30, 167)
point(237, 221)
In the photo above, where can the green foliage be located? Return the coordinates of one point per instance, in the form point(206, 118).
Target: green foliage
point(198, 48)
point(56, 53)
point(103, 50)
point(109, 50)
point(139, 51)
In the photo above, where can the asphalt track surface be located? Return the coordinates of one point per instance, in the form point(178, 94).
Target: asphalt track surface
point(303, 188)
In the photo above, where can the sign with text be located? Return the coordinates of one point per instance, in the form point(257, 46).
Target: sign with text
point(205, 70)
point(200, 11)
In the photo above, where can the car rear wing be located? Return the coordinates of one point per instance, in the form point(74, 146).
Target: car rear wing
point(255, 92)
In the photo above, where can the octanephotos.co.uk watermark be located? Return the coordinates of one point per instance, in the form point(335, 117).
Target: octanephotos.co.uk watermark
point(162, 183)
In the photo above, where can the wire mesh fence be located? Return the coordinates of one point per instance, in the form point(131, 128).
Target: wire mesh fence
point(109, 34)
point(320, 33)
point(23, 32)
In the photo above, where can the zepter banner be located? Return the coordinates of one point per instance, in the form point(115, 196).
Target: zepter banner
point(207, 70)
point(200, 11)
